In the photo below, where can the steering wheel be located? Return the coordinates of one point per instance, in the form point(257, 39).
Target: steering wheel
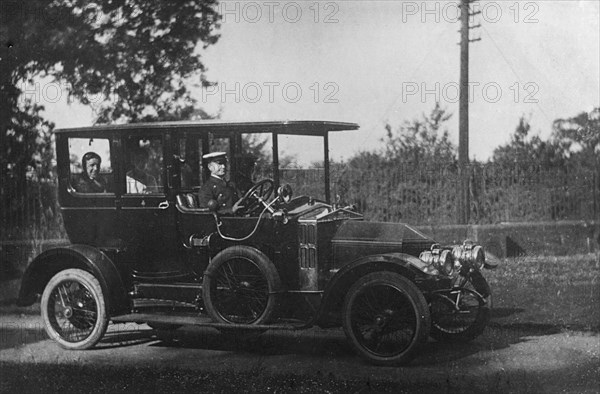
point(257, 195)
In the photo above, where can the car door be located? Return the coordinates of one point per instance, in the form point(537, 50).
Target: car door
point(88, 204)
point(147, 215)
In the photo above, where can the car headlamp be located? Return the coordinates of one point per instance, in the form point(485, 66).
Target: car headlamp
point(441, 259)
point(469, 253)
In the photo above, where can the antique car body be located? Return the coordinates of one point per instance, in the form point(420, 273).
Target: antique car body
point(153, 255)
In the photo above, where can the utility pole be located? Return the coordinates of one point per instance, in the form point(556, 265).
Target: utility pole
point(463, 112)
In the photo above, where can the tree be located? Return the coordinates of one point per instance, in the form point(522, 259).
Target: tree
point(421, 140)
point(396, 182)
point(526, 149)
point(579, 136)
point(132, 59)
point(574, 141)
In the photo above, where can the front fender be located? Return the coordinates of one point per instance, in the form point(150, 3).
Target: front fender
point(407, 265)
point(84, 257)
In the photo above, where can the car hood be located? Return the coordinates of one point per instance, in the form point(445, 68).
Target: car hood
point(379, 237)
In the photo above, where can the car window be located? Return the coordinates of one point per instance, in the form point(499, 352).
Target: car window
point(303, 174)
point(144, 169)
point(91, 165)
point(190, 153)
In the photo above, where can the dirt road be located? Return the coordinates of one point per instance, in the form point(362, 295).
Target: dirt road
point(516, 359)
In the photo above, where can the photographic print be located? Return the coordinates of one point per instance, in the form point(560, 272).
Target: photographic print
point(300, 196)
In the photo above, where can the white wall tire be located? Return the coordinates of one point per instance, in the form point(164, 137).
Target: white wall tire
point(73, 309)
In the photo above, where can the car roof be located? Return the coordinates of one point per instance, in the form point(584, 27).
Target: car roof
point(297, 127)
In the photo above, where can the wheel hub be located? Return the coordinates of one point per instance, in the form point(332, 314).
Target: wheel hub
point(383, 318)
point(244, 284)
point(68, 312)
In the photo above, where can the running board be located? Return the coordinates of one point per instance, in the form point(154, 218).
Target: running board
point(202, 321)
point(141, 303)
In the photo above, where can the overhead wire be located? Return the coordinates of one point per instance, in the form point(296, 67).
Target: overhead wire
point(511, 66)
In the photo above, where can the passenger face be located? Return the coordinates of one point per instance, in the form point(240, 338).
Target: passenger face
point(92, 168)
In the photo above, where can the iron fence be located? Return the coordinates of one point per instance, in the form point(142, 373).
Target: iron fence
point(29, 210)
point(428, 193)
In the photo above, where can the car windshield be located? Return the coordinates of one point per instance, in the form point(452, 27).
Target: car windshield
point(300, 162)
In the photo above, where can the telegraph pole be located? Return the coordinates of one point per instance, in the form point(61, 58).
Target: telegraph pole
point(463, 112)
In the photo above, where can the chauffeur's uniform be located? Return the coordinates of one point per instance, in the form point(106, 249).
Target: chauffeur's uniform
point(222, 192)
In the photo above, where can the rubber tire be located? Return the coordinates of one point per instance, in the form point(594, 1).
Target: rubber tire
point(480, 286)
point(93, 286)
point(418, 303)
point(266, 268)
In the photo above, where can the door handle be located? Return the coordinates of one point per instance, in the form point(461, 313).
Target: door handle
point(163, 205)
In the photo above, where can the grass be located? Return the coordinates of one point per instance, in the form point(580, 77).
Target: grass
point(548, 290)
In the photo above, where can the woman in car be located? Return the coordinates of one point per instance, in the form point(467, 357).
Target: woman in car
point(90, 180)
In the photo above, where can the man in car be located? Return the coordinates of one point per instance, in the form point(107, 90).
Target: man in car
point(216, 188)
point(138, 180)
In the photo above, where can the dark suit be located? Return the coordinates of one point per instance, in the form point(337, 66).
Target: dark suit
point(220, 191)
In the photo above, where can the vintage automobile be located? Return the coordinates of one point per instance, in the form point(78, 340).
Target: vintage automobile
point(142, 250)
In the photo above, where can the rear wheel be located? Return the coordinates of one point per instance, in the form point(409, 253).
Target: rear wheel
point(240, 286)
point(74, 309)
point(386, 318)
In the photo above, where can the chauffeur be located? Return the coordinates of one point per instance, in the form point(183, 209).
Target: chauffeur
point(216, 188)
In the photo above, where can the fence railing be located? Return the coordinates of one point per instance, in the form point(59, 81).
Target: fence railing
point(416, 194)
point(428, 193)
point(29, 210)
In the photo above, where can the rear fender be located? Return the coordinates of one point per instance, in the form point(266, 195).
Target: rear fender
point(84, 257)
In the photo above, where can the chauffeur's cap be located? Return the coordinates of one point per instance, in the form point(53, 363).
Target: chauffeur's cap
point(217, 157)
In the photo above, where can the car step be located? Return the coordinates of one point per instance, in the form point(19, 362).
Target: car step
point(203, 321)
point(140, 303)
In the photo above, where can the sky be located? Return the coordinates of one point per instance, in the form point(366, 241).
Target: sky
point(383, 62)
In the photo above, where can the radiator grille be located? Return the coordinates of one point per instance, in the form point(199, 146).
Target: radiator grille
point(307, 253)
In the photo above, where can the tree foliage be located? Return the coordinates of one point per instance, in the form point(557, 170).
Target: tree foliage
point(135, 55)
point(579, 136)
point(525, 148)
point(419, 140)
point(574, 141)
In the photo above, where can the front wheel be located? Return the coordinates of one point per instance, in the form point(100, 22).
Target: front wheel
point(386, 318)
point(74, 309)
point(462, 313)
